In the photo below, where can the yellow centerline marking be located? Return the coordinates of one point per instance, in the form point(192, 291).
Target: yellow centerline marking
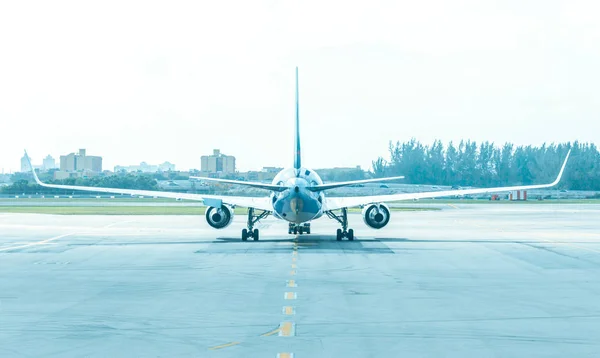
point(287, 329)
point(454, 206)
point(224, 345)
point(288, 310)
point(290, 295)
point(293, 272)
point(294, 259)
point(37, 242)
point(291, 283)
point(293, 266)
point(270, 333)
point(285, 355)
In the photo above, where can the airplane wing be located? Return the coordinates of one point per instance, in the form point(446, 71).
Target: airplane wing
point(261, 203)
point(271, 187)
point(348, 202)
point(327, 186)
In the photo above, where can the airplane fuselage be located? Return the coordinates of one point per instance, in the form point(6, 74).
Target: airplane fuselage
point(297, 204)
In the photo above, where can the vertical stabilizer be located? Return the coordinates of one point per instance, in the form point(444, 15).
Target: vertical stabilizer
point(297, 161)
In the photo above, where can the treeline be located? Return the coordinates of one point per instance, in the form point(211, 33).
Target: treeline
point(485, 164)
point(141, 182)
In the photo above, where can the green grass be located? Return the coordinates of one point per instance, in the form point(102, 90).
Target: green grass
point(138, 210)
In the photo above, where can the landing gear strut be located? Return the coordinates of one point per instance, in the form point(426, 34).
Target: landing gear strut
point(299, 228)
point(343, 220)
point(253, 219)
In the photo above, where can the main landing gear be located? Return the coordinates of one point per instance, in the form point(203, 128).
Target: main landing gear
point(253, 219)
point(299, 229)
point(344, 232)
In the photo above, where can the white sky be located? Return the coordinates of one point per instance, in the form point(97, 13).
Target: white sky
point(156, 81)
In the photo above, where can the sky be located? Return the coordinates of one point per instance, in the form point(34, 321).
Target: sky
point(151, 81)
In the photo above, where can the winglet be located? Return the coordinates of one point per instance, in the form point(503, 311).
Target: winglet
point(37, 180)
point(562, 169)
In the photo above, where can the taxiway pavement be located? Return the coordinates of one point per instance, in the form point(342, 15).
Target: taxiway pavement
point(467, 281)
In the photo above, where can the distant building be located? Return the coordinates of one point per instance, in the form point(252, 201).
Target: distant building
point(48, 163)
point(146, 168)
point(24, 165)
point(217, 163)
point(272, 169)
point(80, 162)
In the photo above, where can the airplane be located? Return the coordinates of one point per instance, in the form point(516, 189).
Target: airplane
point(297, 195)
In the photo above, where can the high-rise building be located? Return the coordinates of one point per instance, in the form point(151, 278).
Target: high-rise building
point(217, 163)
point(49, 163)
point(80, 162)
point(24, 165)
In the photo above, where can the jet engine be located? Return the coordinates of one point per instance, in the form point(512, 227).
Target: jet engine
point(376, 216)
point(219, 218)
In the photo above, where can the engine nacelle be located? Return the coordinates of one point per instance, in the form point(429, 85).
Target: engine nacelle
point(376, 216)
point(219, 218)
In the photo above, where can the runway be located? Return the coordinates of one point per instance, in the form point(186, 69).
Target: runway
point(467, 281)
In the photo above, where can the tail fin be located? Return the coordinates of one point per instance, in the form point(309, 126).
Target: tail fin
point(297, 161)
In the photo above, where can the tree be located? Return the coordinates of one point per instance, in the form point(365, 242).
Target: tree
point(489, 165)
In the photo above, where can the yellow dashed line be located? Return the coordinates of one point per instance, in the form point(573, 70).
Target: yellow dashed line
point(294, 266)
point(293, 272)
point(454, 206)
point(290, 295)
point(294, 259)
point(285, 355)
point(288, 310)
point(224, 345)
point(287, 329)
point(291, 283)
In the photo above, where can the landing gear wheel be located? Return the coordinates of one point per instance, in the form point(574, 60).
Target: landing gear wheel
point(255, 234)
point(300, 230)
point(244, 234)
point(338, 235)
point(350, 234)
point(306, 228)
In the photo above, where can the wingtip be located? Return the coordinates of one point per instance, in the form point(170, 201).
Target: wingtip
point(562, 169)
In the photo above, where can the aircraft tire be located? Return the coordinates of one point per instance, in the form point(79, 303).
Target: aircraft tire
point(350, 234)
point(244, 234)
point(338, 235)
point(255, 235)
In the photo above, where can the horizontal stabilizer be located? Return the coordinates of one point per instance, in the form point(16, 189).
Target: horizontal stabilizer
point(271, 187)
point(322, 187)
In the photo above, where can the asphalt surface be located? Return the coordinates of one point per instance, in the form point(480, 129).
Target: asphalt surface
point(467, 281)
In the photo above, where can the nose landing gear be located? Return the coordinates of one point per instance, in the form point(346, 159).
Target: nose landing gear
point(299, 228)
